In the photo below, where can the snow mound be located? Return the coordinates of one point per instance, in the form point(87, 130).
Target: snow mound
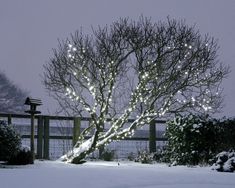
point(225, 162)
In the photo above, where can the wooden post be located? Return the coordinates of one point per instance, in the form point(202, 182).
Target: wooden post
point(101, 149)
point(152, 137)
point(46, 138)
point(9, 120)
point(76, 129)
point(32, 137)
point(40, 137)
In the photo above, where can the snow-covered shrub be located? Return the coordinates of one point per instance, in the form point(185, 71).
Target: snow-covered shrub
point(108, 155)
point(131, 156)
point(224, 162)
point(22, 157)
point(192, 140)
point(161, 156)
point(144, 157)
point(10, 141)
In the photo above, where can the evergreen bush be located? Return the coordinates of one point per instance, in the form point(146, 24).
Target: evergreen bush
point(108, 155)
point(22, 157)
point(194, 139)
point(10, 141)
point(144, 157)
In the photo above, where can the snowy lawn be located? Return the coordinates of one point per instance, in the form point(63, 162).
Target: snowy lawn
point(53, 174)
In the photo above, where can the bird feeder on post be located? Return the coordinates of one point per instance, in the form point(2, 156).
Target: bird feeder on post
point(33, 103)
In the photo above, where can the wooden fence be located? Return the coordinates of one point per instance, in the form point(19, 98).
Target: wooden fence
point(43, 131)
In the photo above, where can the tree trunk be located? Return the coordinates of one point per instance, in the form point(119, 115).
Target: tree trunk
point(78, 154)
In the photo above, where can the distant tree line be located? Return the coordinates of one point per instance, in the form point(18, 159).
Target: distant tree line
point(11, 96)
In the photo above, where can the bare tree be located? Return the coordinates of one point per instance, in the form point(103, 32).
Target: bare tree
point(11, 96)
point(133, 69)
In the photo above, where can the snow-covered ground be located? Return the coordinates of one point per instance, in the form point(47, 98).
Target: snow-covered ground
point(54, 174)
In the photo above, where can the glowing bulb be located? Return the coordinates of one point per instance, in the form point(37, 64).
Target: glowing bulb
point(193, 99)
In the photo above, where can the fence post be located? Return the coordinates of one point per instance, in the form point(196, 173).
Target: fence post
point(9, 120)
point(40, 137)
point(76, 129)
point(101, 149)
point(32, 136)
point(152, 136)
point(46, 137)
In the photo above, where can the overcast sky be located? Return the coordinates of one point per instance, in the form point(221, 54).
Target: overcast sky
point(29, 29)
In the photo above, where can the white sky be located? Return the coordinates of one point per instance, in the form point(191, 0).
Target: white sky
point(29, 29)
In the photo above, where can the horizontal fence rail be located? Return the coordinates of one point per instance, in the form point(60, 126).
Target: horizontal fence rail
point(66, 130)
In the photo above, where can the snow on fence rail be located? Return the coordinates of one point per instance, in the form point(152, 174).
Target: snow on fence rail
point(55, 135)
